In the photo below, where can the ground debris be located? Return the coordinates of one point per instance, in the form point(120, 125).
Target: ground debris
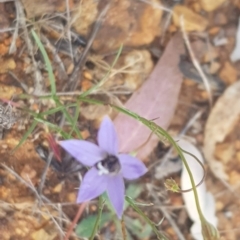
point(192, 20)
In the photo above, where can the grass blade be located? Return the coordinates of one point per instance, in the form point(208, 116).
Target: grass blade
point(47, 61)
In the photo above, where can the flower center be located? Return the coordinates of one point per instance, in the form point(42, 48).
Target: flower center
point(109, 165)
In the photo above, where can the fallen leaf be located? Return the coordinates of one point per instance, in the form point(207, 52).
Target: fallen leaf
point(206, 199)
point(155, 99)
point(221, 121)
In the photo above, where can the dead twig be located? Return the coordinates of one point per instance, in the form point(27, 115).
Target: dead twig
point(167, 216)
point(196, 63)
point(75, 220)
point(75, 79)
point(57, 59)
point(12, 48)
point(38, 80)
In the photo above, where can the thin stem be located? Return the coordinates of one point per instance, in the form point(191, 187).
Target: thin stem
point(75, 220)
point(124, 233)
point(160, 236)
point(96, 225)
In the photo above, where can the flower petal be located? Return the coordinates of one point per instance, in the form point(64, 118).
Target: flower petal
point(92, 186)
point(115, 191)
point(107, 136)
point(85, 152)
point(132, 168)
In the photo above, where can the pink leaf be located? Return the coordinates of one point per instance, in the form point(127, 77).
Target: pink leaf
point(156, 98)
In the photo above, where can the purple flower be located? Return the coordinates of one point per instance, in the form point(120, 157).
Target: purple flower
point(108, 167)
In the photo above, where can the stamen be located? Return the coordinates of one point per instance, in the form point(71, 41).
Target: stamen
point(101, 169)
point(109, 165)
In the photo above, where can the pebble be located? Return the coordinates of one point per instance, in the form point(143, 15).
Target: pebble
point(228, 73)
point(214, 67)
point(140, 66)
point(192, 20)
point(132, 23)
point(57, 188)
point(7, 64)
point(211, 5)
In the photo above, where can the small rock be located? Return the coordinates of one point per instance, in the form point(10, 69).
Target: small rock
point(210, 54)
point(192, 20)
point(214, 30)
point(71, 197)
point(234, 177)
point(132, 23)
point(44, 7)
point(85, 134)
point(228, 73)
point(237, 145)
point(92, 112)
point(85, 15)
point(211, 5)
point(42, 234)
point(214, 67)
point(3, 49)
point(6, 92)
point(141, 65)
point(29, 174)
point(57, 188)
point(7, 64)
point(219, 206)
point(172, 28)
point(238, 156)
point(196, 7)
point(86, 85)
point(224, 152)
point(220, 18)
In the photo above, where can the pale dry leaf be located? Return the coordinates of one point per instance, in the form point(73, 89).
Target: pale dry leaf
point(221, 121)
point(206, 200)
point(155, 99)
point(235, 55)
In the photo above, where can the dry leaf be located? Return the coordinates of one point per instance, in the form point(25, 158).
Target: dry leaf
point(206, 200)
point(155, 99)
point(221, 121)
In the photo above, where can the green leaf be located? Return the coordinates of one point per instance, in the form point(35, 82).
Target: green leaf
point(86, 226)
point(137, 228)
point(25, 136)
point(133, 191)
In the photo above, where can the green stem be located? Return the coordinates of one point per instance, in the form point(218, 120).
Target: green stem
point(139, 211)
point(100, 208)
